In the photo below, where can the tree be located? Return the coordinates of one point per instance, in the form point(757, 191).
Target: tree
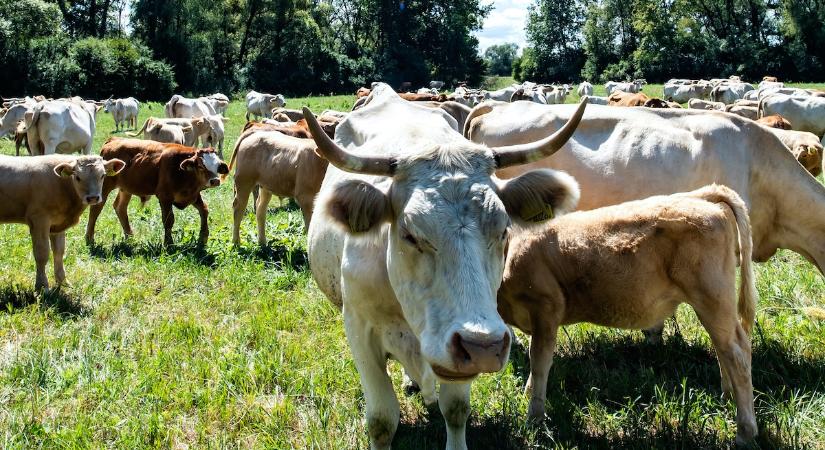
point(499, 58)
point(553, 32)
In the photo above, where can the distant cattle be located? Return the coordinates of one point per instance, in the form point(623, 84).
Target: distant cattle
point(123, 110)
point(173, 173)
point(49, 193)
point(261, 105)
point(194, 130)
point(186, 108)
point(706, 105)
point(585, 88)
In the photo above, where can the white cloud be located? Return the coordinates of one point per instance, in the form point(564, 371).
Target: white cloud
point(505, 23)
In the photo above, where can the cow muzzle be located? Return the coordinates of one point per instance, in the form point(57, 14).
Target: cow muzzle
point(472, 355)
point(214, 182)
point(92, 199)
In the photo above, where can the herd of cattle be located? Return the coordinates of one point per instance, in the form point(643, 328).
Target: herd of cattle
point(438, 221)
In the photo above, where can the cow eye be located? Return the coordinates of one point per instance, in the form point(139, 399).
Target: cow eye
point(409, 238)
point(77, 177)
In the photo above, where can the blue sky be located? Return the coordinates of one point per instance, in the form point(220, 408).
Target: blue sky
point(505, 23)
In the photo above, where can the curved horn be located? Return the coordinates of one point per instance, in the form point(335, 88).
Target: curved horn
point(344, 160)
point(513, 155)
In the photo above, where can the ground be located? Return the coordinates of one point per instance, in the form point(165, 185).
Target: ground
point(237, 348)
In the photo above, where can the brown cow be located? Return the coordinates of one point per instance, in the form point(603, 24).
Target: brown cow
point(775, 121)
point(770, 79)
point(49, 193)
point(281, 165)
point(630, 266)
point(174, 174)
point(413, 97)
point(621, 98)
point(363, 92)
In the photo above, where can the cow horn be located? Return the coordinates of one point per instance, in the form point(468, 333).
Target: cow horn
point(344, 160)
point(513, 155)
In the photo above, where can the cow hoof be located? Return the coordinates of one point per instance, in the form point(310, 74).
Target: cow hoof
point(536, 412)
point(745, 433)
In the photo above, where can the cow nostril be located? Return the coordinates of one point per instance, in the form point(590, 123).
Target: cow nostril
point(460, 352)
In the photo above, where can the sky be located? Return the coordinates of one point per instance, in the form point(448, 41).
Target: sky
point(505, 23)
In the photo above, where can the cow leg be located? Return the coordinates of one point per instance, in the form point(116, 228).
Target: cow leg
point(306, 202)
point(542, 348)
point(203, 211)
point(242, 191)
point(58, 241)
point(260, 214)
point(454, 403)
point(370, 359)
point(717, 313)
point(39, 230)
point(654, 333)
point(168, 219)
point(121, 206)
point(94, 211)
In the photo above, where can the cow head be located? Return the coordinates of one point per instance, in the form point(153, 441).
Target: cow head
point(87, 173)
point(277, 101)
point(447, 221)
point(206, 166)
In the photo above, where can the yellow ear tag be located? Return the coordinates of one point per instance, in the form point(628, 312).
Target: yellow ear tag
point(541, 216)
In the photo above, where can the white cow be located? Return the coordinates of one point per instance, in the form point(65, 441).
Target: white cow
point(408, 237)
point(261, 105)
point(186, 108)
point(596, 100)
point(730, 92)
point(60, 127)
point(15, 114)
point(632, 87)
point(771, 84)
point(215, 137)
point(504, 94)
point(123, 110)
point(706, 105)
point(585, 88)
point(804, 113)
point(555, 95)
point(219, 101)
point(623, 154)
point(681, 93)
point(216, 106)
point(762, 93)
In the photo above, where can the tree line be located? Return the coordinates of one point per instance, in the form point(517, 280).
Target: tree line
point(152, 48)
point(601, 40)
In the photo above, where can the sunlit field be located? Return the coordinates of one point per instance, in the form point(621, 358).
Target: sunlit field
point(225, 347)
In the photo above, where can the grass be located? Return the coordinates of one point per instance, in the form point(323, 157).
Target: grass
point(236, 348)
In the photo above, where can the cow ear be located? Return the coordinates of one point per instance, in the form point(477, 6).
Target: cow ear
point(539, 195)
point(357, 206)
point(64, 170)
point(113, 167)
point(189, 164)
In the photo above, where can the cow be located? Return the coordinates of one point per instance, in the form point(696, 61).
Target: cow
point(805, 147)
point(528, 95)
point(281, 165)
point(261, 105)
point(775, 121)
point(796, 92)
point(49, 193)
point(805, 113)
point(555, 95)
point(293, 115)
point(339, 115)
point(169, 133)
point(219, 102)
point(408, 237)
point(630, 87)
point(59, 127)
point(174, 174)
point(187, 108)
point(585, 88)
point(362, 92)
point(729, 93)
point(748, 112)
point(194, 130)
point(705, 105)
point(216, 133)
point(413, 97)
point(628, 154)
point(682, 93)
point(770, 79)
point(597, 100)
point(630, 266)
point(504, 94)
point(435, 84)
point(10, 121)
point(770, 84)
point(289, 130)
point(123, 110)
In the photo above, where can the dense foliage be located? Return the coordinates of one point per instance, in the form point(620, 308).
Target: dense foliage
point(148, 48)
point(600, 40)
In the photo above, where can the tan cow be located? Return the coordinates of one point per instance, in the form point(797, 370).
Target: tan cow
point(169, 133)
point(630, 266)
point(281, 165)
point(805, 146)
point(49, 193)
point(193, 128)
point(748, 112)
point(775, 121)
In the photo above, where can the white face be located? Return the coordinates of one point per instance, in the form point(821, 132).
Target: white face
point(212, 164)
point(445, 261)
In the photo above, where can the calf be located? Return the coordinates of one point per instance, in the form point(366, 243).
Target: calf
point(805, 147)
point(49, 193)
point(169, 133)
point(282, 165)
point(173, 173)
point(707, 105)
point(193, 129)
point(630, 266)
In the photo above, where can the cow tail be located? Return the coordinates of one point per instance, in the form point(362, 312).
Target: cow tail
point(235, 154)
point(747, 285)
point(760, 109)
point(142, 129)
point(479, 110)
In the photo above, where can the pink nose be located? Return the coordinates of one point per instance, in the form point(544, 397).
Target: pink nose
point(472, 355)
point(92, 199)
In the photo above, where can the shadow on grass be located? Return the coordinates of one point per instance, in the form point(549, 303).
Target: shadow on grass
point(625, 378)
point(277, 255)
point(189, 249)
point(65, 305)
